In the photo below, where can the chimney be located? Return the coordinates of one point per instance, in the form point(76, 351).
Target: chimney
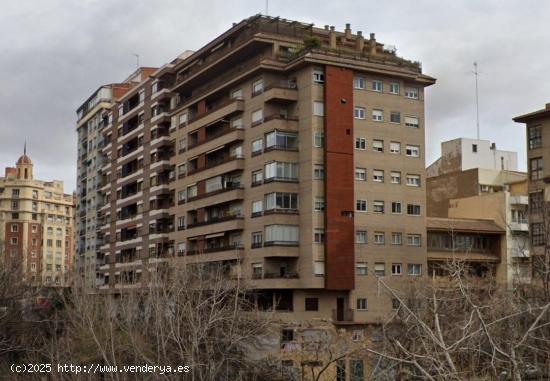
point(332, 38)
point(493, 146)
point(548, 106)
point(359, 41)
point(348, 31)
point(372, 44)
point(326, 27)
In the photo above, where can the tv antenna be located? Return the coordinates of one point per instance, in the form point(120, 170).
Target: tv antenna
point(266, 7)
point(476, 73)
point(137, 60)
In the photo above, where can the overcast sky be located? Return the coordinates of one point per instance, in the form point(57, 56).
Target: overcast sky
point(55, 53)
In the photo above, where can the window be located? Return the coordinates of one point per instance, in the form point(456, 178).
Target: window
point(361, 236)
point(413, 180)
point(411, 121)
point(319, 139)
point(318, 108)
point(257, 145)
point(257, 239)
point(396, 238)
point(378, 176)
point(535, 167)
point(33, 254)
point(413, 210)
point(279, 200)
point(257, 208)
point(35, 228)
point(396, 268)
point(257, 271)
point(414, 240)
point(15, 192)
point(536, 202)
point(319, 268)
point(379, 269)
point(34, 194)
point(282, 234)
point(257, 177)
point(377, 115)
point(361, 205)
point(377, 85)
point(319, 235)
point(13, 252)
point(395, 147)
point(379, 238)
point(535, 137)
point(474, 148)
point(362, 304)
point(395, 117)
point(14, 205)
point(13, 240)
point(360, 174)
point(357, 370)
point(411, 92)
point(359, 83)
point(395, 177)
point(378, 145)
point(14, 228)
point(361, 268)
point(394, 88)
point(33, 266)
point(378, 207)
point(318, 77)
point(318, 171)
point(396, 207)
point(413, 151)
point(281, 171)
point(237, 123)
point(312, 304)
point(181, 223)
point(537, 234)
point(257, 117)
point(257, 87)
point(359, 112)
point(319, 204)
point(360, 143)
point(237, 94)
point(414, 269)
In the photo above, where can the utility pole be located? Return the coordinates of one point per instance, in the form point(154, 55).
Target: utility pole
point(477, 100)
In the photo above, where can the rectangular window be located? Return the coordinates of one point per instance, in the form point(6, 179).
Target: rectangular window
point(257, 146)
point(359, 83)
point(474, 148)
point(319, 268)
point(361, 205)
point(281, 140)
point(396, 207)
point(257, 87)
point(282, 234)
point(360, 174)
point(395, 147)
point(378, 207)
point(257, 117)
point(411, 92)
point(379, 238)
point(413, 180)
point(319, 204)
point(396, 268)
point(361, 236)
point(319, 139)
point(360, 143)
point(318, 76)
point(536, 202)
point(362, 304)
point(357, 370)
point(537, 234)
point(361, 268)
point(412, 151)
point(413, 210)
point(319, 235)
point(237, 94)
point(257, 208)
point(14, 228)
point(378, 115)
point(378, 176)
point(395, 88)
point(411, 121)
point(395, 117)
point(13, 240)
point(281, 171)
point(312, 304)
point(535, 168)
point(279, 200)
point(414, 240)
point(257, 177)
point(414, 269)
point(535, 137)
point(378, 145)
point(359, 112)
point(257, 239)
point(396, 238)
point(318, 108)
point(379, 269)
point(376, 85)
point(318, 171)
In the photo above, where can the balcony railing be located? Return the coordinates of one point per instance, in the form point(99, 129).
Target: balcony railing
point(214, 164)
point(215, 249)
point(213, 193)
point(342, 316)
point(215, 220)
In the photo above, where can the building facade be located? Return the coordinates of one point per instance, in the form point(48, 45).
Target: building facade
point(293, 155)
point(36, 226)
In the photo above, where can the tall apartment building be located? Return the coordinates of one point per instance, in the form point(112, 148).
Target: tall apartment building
point(292, 154)
point(90, 159)
point(36, 226)
point(537, 131)
point(468, 182)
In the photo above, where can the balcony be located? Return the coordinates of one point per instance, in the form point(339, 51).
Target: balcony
point(519, 226)
point(281, 92)
point(343, 316)
point(221, 137)
point(223, 110)
point(228, 188)
point(216, 163)
point(216, 249)
point(519, 200)
point(521, 253)
point(215, 220)
point(217, 226)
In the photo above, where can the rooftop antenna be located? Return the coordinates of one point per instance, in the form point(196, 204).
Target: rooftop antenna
point(137, 60)
point(266, 7)
point(25, 148)
point(477, 100)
